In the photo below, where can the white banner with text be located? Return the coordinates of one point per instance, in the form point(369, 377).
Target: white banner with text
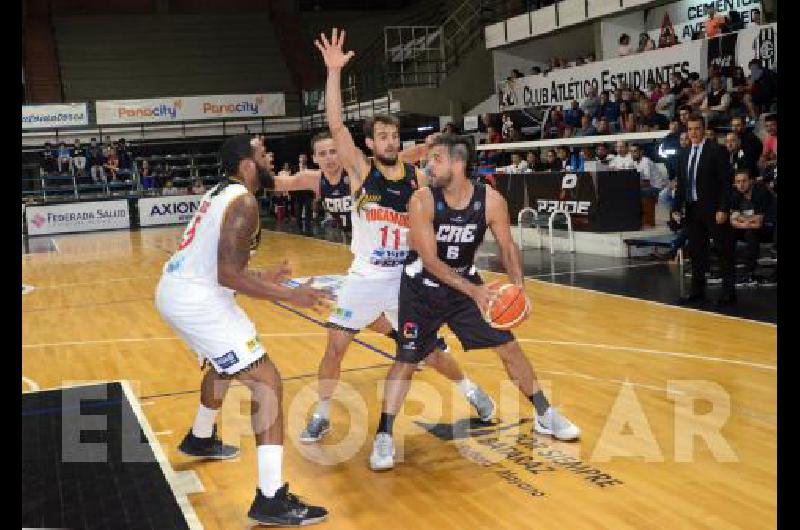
point(77, 217)
point(175, 209)
point(54, 116)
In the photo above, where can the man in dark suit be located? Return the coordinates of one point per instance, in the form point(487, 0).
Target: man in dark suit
point(704, 191)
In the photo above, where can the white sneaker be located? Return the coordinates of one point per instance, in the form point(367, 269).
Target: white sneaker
point(382, 457)
point(553, 423)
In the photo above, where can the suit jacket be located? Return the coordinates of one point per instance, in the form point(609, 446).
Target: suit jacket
point(713, 180)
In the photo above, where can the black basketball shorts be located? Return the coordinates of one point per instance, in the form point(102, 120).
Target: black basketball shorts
point(425, 305)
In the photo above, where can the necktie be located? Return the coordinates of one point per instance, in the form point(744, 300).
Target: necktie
point(692, 172)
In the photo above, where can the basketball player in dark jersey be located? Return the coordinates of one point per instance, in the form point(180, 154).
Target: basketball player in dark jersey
point(440, 285)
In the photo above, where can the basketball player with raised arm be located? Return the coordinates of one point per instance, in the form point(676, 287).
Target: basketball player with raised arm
point(195, 296)
point(381, 188)
point(332, 185)
point(440, 285)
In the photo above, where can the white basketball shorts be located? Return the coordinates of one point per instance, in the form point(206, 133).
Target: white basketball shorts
point(362, 299)
point(210, 323)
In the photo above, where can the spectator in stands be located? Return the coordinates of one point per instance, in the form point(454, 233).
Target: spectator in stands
point(95, 161)
point(609, 110)
point(625, 111)
point(755, 17)
point(737, 88)
point(112, 164)
point(653, 91)
point(107, 145)
point(591, 103)
point(534, 163)
point(651, 179)
point(586, 155)
point(681, 87)
point(125, 158)
point(590, 58)
point(146, 176)
point(651, 119)
point(603, 127)
point(563, 154)
point(622, 159)
point(625, 47)
point(586, 128)
point(602, 154)
point(514, 135)
point(665, 105)
point(738, 158)
point(684, 111)
point(716, 104)
point(555, 124)
point(516, 74)
point(713, 26)
point(750, 143)
point(698, 95)
point(752, 218)
point(645, 43)
point(197, 187)
point(632, 124)
point(287, 168)
point(518, 165)
point(170, 189)
point(762, 90)
point(79, 158)
point(769, 157)
point(535, 70)
point(64, 158)
point(551, 161)
point(573, 115)
point(49, 156)
point(507, 125)
point(569, 131)
point(711, 135)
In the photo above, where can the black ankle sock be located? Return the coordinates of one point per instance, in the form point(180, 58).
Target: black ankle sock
point(393, 335)
point(386, 423)
point(540, 402)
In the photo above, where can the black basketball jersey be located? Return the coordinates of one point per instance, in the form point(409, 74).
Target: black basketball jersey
point(459, 233)
point(336, 199)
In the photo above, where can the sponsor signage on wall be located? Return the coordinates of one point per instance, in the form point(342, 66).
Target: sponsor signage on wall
point(177, 109)
point(54, 116)
point(561, 86)
point(77, 217)
point(688, 16)
point(177, 209)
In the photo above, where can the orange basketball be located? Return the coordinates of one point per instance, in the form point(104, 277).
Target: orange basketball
point(510, 308)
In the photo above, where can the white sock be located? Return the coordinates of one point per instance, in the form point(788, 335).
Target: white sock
point(466, 386)
point(204, 421)
point(270, 460)
point(323, 408)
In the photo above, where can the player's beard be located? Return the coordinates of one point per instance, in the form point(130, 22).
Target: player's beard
point(265, 178)
point(443, 181)
point(386, 161)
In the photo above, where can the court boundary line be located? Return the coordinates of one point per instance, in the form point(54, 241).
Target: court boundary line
point(599, 269)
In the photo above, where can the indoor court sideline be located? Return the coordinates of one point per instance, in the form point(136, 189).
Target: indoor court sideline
point(630, 372)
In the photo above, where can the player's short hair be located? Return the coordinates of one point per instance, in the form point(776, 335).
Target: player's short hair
point(458, 147)
point(386, 119)
point(320, 136)
point(695, 117)
point(234, 150)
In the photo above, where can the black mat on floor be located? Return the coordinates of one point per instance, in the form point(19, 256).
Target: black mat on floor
point(67, 483)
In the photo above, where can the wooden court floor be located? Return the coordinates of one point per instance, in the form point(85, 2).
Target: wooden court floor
point(677, 407)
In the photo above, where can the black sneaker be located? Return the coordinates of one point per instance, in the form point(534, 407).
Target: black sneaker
point(211, 447)
point(284, 509)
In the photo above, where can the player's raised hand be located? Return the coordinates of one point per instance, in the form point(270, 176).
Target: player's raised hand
point(332, 52)
point(307, 296)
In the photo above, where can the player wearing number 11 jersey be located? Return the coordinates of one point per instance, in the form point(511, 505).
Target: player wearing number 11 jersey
point(381, 188)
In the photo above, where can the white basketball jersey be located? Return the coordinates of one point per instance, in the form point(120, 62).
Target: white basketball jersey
point(380, 224)
point(196, 257)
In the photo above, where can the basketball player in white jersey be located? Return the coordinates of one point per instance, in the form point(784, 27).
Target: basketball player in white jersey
point(195, 296)
point(381, 188)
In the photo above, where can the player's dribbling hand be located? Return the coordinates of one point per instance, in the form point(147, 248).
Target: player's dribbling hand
point(311, 297)
point(332, 51)
point(485, 294)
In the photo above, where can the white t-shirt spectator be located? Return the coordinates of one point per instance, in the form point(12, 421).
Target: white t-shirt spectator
point(522, 167)
point(666, 105)
point(621, 162)
point(648, 171)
